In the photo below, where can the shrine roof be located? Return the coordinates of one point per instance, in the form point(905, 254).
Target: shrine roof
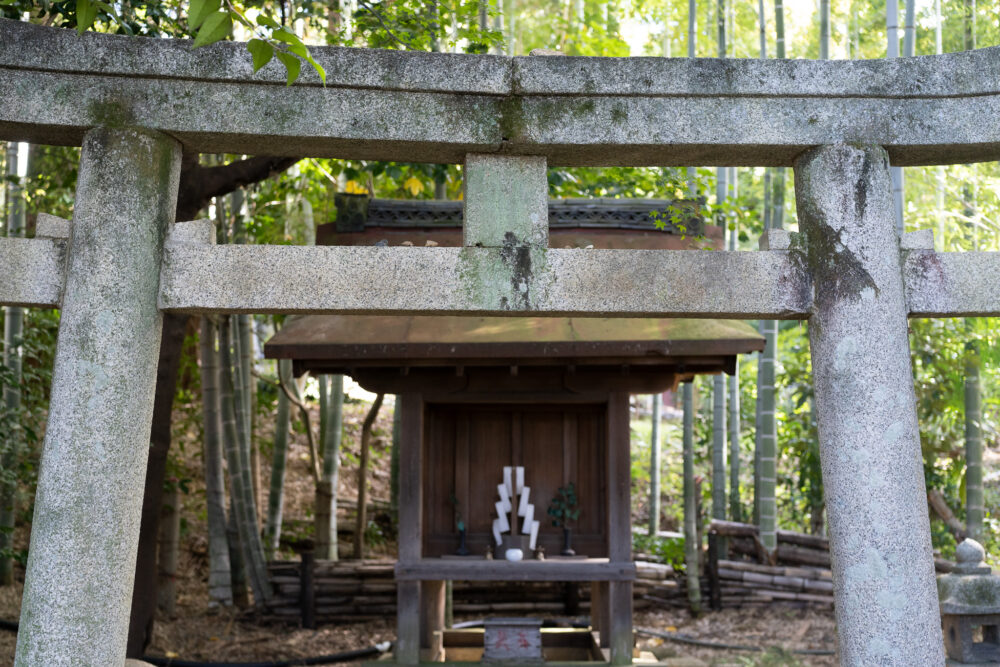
point(353, 339)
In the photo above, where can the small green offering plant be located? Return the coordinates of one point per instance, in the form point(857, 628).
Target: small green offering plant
point(563, 508)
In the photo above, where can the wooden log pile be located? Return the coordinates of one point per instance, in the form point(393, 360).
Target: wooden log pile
point(352, 590)
point(342, 590)
point(797, 574)
point(797, 571)
point(793, 548)
point(743, 583)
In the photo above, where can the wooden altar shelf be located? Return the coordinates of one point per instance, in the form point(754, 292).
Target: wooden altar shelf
point(590, 569)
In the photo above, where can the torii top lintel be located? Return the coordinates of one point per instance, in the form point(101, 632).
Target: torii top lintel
point(434, 107)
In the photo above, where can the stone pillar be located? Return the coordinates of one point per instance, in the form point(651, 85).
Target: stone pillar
point(506, 201)
point(85, 531)
point(873, 478)
point(505, 230)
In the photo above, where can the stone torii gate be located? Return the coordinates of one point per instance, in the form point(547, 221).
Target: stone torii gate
point(132, 103)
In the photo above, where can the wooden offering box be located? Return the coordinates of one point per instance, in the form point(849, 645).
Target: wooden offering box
point(478, 394)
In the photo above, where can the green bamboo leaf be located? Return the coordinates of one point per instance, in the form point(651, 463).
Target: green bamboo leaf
point(86, 13)
point(261, 51)
point(292, 65)
point(217, 26)
point(200, 10)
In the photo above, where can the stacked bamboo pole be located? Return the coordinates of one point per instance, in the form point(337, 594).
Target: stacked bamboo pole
point(743, 583)
point(797, 570)
point(796, 573)
point(352, 590)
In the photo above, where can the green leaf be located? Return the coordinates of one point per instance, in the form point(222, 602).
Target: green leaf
point(292, 65)
point(261, 51)
point(110, 11)
point(86, 13)
point(287, 36)
point(300, 50)
point(319, 68)
point(217, 26)
point(201, 10)
point(268, 22)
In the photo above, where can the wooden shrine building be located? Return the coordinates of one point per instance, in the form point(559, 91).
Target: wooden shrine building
point(481, 393)
point(478, 394)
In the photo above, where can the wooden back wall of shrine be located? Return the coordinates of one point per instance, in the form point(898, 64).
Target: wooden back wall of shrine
point(465, 448)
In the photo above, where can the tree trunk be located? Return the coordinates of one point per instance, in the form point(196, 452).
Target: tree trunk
point(778, 174)
point(238, 460)
point(719, 381)
point(973, 440)
point(510, 13)
point(238, 569)
point(397, 420)
point(767, 439)
point(735, 509)
point(734, 398)
point(892, 51)
point(654, 466)
point(691, 545)
point(144, 587)
point(362, 521)
point(720, 19)
point(940, 506)
point(779, 29)
point(170, 529)
point(824, 29)
point(326, 491)
point(242, 420)
point(276, 496)
point(692, 33)
point(969, 25)
point(762, 29)
point(13, 324)
point(909, 30)
point(692, 50)
point(768, 221)
point(219, 584)
point(719, 447)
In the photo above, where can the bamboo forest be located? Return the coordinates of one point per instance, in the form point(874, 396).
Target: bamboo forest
point(430, 261)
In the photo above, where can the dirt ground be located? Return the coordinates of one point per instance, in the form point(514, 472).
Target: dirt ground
point(198, 632)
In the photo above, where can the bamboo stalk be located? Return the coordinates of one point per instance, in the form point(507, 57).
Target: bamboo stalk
point(219, 577)
point(691, 545)
point(13, 325)
point(276, 495)
point(239, 478)
point(326, 489)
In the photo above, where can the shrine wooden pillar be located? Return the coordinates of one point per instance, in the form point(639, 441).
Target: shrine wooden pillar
point(411, 512)
point(619, 530)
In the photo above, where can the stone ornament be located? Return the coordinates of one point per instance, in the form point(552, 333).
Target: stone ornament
point(970, 599)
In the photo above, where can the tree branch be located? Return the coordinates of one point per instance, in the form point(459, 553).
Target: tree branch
point(304, 412)
point(199, 184)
